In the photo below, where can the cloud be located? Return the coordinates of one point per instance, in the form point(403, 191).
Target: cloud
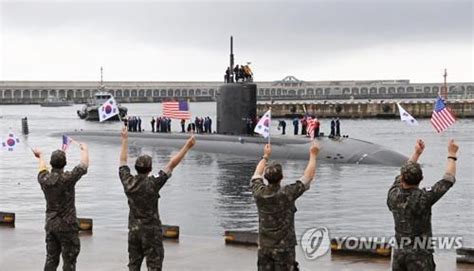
point(185, 37)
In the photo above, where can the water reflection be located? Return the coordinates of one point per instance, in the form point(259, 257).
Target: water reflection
point(234, 201)
point(203, 159)
point(134, 151)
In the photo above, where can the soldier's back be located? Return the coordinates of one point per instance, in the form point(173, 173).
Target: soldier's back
point(276, 210)
point(142, 193)
point(59, 190)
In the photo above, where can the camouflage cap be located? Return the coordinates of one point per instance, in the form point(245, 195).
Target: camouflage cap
point(143, 161)
point(411, 173)
point(273, 172)
point(58, 159)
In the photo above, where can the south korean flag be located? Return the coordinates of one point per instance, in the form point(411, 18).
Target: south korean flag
point(11, 142)
point(263, 125)
point(406, 117)
point(108, 110)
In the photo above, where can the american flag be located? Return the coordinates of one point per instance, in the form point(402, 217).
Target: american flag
point(311, 127)
point(66, 142)
point(441, 118)
point(176, 110)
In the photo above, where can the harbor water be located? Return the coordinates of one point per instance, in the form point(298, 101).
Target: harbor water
point(209, 193)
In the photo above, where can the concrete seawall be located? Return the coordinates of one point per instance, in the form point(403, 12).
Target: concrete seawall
point(364, 109)
point(118, 99)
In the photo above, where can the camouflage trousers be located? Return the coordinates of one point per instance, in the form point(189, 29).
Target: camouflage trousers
point(412, 260)
point(66, 243)
point(145, 241)
point(275, 259)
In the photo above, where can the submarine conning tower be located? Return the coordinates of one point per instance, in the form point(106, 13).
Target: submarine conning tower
point(236, 102)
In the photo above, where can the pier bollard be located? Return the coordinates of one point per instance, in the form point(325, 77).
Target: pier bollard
point(354, 247)
point(24, 126)
point(85, 225)
point(241, 238)
point(170, 232)
point(7, 219)
point(465, 255)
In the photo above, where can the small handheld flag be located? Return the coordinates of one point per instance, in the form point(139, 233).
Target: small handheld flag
point(10, 142)
point(405, 116)
point(108, 110)
point(263, 125)
point(441, 118)
point(311, 127)
point(66, 142)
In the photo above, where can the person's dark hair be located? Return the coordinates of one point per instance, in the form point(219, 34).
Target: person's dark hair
point(411, 173)
point(58, 159)
point(273, 173)
point(143, 165)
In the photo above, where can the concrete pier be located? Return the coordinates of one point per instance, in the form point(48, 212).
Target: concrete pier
point(365, 109)
point(107, 250)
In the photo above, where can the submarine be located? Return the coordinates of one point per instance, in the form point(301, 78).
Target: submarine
point(236, 103)
point(344, 150)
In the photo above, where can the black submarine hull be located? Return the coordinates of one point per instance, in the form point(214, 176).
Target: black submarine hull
point(342, 150)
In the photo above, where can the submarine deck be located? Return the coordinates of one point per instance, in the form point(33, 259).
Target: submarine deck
point(340, 150)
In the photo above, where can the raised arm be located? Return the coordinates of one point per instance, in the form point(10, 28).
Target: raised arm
point(84, 154)
point(437, 191)
point(452, 157)
point(419, 148)
point(267, 151)
point(124, 148)
point(41, 163)
point(310, 170)
point(176, 159)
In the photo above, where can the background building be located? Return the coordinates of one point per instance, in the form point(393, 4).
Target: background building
point(289, 88)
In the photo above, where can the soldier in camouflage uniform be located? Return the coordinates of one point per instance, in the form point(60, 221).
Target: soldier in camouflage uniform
point(276, 211)
point(61, 221)
point(145, 233)
point(411, 208)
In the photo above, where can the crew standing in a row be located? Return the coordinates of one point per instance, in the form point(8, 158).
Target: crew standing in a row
point(335, 128)
point(134, 124)
point(162, 125)
point(241, 73)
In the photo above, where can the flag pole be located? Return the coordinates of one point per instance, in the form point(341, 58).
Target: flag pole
point(445, 87)
point(24, 139)
point(74, 141)
point(28, 145)
point(118, 109)
point(270, 124)
point(269, 127)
